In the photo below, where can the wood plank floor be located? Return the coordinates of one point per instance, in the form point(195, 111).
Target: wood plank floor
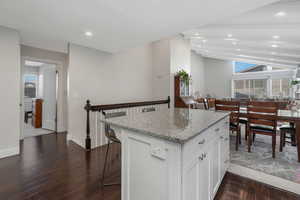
point(49, 168)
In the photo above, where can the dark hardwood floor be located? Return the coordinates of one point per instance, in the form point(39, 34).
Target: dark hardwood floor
point(49, 168)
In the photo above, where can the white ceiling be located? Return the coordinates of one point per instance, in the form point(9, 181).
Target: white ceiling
point(116, 24)
point(254, 33)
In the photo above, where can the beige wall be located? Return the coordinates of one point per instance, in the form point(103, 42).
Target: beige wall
point(10, 92)
point(105, 79)
point(61, 60)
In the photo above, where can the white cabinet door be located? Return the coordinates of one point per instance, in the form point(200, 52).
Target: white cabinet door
point(224, 152)
point(214, 160)
point(150, 168)
point(204, 171)
point(196, 178)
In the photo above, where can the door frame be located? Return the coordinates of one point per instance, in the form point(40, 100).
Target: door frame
point(58, 68)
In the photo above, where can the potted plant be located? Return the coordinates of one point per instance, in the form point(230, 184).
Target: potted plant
point(295, 82)
point(184, 76)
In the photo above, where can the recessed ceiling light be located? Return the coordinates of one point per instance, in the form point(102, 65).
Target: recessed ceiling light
point(204, 41)
point(229, 35)
point(274, 45)
point(273, 53)
point(280, 14)
point(234, 43)
point(88, 34)
point(238, 49)
point(276, 36)
point(231, 39)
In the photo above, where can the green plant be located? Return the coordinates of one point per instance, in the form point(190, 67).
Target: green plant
point(295, 82)
point(184, 76)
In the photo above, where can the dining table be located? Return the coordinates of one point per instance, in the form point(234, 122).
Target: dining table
point(292, 116)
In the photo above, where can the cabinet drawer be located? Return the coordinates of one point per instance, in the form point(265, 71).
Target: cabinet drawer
point(192, 148)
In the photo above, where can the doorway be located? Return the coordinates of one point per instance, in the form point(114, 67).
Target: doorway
point(39, 98)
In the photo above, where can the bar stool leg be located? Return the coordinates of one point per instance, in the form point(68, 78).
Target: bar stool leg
point(105, 163)
point(104, 167)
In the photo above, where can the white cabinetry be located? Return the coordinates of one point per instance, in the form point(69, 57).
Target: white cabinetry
point(196, 177)
point(156, 169)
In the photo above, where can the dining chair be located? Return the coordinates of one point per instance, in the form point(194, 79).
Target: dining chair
point(262, 119)
point(287, 132)
point(111, 138)
point(202, 102)
point(210, 103)
point(234, 108)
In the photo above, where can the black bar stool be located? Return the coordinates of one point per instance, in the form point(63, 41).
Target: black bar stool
point(112, 138)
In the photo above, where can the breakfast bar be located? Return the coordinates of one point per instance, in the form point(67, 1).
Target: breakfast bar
point(172, 154)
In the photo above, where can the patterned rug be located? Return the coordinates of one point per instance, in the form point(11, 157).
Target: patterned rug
point(285, 164)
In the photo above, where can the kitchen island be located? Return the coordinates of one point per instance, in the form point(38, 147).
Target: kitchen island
point(173, 154)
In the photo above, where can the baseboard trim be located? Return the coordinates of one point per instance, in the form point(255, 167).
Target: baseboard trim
point(4, 153)
point(69, 137)
point(265, 178)
point(79, 143)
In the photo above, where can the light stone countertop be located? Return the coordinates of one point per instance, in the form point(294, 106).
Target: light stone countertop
point(176, 125)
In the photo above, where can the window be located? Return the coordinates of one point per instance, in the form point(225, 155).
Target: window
point(241, 67)
point(30, 85)
point(261, 81)
point(255, 88)
point(281, 87)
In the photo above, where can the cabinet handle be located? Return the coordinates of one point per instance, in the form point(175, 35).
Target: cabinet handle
point(221, 137)
point(201, 157)
point(202, 141)
point(217, 129)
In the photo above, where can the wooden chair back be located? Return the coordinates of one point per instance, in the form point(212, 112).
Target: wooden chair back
point(231, 106)
point(262, 113)
point(210, 103)
point(203, 102)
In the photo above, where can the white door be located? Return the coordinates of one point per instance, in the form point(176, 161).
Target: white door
point(48, 85)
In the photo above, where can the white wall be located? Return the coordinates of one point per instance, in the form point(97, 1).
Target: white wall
point(61, 60)
point(169, 56)
point(161, 68)
point(10, 90)
point(198, 74)
point(211, 76)
point(105, 79)
point(218, 75)
point(180, 58)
